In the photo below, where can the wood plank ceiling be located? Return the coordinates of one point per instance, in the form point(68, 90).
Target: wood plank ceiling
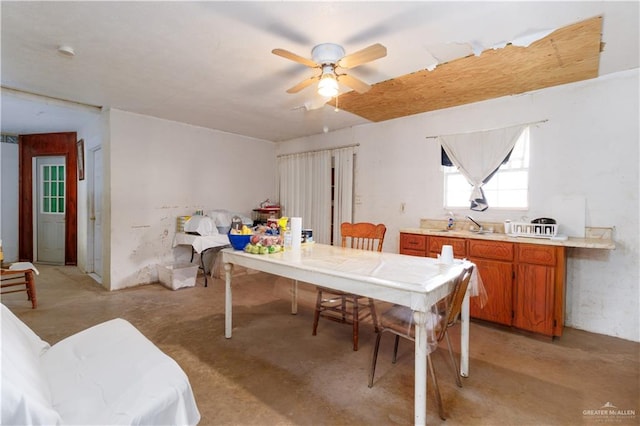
point(567, 55)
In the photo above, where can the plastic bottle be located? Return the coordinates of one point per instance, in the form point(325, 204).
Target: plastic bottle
point(288, 240)
point(450, 223)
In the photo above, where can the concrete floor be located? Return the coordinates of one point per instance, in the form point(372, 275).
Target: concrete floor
point(273, 372)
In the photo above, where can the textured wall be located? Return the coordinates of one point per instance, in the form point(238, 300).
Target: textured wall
point(160, 170)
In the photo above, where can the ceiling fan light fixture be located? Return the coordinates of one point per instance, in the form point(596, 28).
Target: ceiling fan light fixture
point(328, 86)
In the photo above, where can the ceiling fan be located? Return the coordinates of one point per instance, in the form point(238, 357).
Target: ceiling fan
point(330, 60)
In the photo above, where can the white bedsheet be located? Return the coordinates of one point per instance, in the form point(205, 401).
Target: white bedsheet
point(109, 374)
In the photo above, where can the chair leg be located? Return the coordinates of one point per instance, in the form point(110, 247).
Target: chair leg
point(344, 308)
point(374, 359)
point(374, 317)
point(316, 315)
point(31, 289)
point(356, 323)
point(432, 372)
point(395, 350)
point(453, 360)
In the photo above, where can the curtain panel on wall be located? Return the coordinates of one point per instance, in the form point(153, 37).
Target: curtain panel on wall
point(343, 161)
point(478, 156)
point(305, 191)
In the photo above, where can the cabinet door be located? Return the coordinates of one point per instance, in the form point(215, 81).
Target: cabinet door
point(459, 246)
point(413, 244)
point(534, 301)
point(497, 278)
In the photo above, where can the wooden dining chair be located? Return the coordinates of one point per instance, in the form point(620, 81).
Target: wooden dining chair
point(444, 314)
point(346, 307)
point(15, 280)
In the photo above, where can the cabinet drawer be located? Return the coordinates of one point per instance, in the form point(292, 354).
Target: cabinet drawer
point(419, 253)
point(459, 246)
point(536, 254)
point(491, 250)
point(413, 242)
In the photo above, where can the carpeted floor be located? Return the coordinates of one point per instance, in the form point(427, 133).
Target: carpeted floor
point(274, 372)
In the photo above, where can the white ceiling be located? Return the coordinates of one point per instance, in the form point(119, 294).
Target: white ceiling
point(210, 63)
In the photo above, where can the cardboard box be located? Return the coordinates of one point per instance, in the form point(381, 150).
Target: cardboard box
point(175, 276)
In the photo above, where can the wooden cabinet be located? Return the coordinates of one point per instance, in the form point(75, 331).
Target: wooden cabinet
point(524, 282)
point(424, 245)
point(413, 244)
point(494, 261)
point(538, 303)
point(459, 246)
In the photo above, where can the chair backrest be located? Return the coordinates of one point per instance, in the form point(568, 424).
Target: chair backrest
point(454, 301)
point(363, 235)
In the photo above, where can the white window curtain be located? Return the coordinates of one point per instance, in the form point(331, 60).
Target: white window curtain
point(305, 191)
point(478, 155)
point(343, 189)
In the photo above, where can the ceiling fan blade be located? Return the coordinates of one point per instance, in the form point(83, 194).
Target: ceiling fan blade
point(356, 84)
point(368, 54)
point(304, 83)
point(296, 58)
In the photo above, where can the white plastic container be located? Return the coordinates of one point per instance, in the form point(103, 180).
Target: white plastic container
point(175, 276)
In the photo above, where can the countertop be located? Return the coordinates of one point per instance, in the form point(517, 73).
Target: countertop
point(598, 238)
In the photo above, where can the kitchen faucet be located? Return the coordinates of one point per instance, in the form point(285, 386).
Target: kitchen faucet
point(477, 224)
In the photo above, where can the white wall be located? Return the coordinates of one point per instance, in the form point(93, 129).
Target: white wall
point(92, 134)
point(159, 170)
point(588, 146)
point(9, 201)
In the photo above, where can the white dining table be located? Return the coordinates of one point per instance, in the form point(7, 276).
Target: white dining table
point(416, 282)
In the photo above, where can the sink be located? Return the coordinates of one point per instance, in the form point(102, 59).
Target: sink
point(481, 232)
point(437, 230)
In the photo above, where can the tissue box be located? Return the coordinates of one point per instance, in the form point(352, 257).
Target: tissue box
point(175, 276)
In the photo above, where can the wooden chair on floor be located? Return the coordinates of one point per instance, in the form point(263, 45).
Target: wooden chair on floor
point(345, 307)
point(399, 321)
point(15, 280)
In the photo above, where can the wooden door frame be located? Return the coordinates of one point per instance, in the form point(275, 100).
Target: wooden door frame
point(38, 145)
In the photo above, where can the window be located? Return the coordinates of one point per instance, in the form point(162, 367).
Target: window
point(53, 189)
point(507, 189)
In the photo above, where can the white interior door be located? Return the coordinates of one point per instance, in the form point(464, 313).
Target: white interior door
point(96, 211)
point(50, 207)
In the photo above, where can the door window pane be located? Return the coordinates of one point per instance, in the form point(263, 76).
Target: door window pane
point(52, 188)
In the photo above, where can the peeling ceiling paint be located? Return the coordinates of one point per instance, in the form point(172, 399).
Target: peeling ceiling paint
point(210, 64)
